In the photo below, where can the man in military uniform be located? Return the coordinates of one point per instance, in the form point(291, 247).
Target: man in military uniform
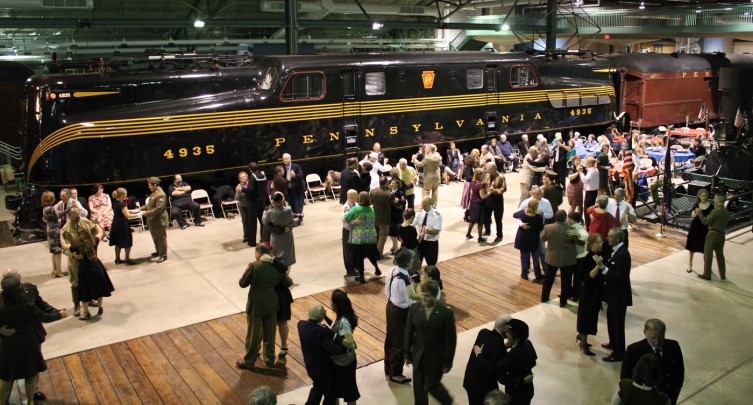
point(156, 218)
point(69, 234)
point(261, 308)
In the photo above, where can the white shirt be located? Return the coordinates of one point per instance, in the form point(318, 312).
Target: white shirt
point(612, 209)
point(433, 222)
point(486, 158)
point(396, 289)
point(590, 179)
point(582, 235)
point(544, 205)
point(374, 180)
point(614, 250)
point(346, 207)
point(61, 208)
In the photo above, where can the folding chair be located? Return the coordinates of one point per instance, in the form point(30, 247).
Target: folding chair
point(231, 205)
point(314, 185)
point(138, 222)
point(205, 208)
point(335, 191)
point(186, 213)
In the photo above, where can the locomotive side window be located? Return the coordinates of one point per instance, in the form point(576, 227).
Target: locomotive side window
point(523, 76)
point(304, 86)
point(375, 84)
point(475, 78)
point(349, 84)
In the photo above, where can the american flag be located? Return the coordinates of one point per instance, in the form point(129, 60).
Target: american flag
point(741, 120)
point(703, 115)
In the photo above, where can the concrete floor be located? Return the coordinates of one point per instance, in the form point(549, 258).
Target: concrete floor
point(199, 282)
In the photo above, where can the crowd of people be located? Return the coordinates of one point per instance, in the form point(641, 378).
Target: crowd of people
point(589, 246)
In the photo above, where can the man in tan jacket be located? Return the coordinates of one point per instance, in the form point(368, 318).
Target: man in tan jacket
point(432, 176)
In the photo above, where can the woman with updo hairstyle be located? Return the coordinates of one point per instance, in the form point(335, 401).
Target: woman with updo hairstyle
point(362, 239)
point(476, 212)
point(53, 232)
point(279, 217)
point(93, 281)
point(120, 234)
point(642, 388)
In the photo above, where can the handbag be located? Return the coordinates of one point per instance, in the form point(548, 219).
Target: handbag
point(344, 359)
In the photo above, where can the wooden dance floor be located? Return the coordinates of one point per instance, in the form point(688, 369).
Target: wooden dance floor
point(196, 364)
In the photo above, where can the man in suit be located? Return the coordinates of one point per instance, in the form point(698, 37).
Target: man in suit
point(523, 145)
point(350, 179)
point(669, 353)
point(559, 159)
point(430, 341)
point(432, 177)
point(560, 254)
point(255, 193)
point(31, 296)
point(382, 200)
point(318, 344)
point(617, 293)
point(488, 350)
point(261, 307)
point(296, 187)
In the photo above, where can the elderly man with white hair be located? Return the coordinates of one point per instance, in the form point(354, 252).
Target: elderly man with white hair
point(318, 344)
point(488, 351)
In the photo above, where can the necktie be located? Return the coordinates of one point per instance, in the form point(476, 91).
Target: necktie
point(657, 352)
point(618, 213)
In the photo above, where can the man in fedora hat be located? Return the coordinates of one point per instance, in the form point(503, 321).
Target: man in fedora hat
point(400, 296)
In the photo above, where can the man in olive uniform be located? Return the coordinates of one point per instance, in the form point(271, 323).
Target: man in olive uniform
point(261, 307)
point(157, 218)
point(69, 234)
point(717, 223)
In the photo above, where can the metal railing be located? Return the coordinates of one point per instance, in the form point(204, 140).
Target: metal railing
point(9, 153)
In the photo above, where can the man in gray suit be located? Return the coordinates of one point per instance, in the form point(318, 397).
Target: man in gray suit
point(382, 200)
point(430, 341)
point(560, 254)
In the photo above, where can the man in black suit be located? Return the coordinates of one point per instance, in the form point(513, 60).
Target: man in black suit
point(669, 353)
point(559, 160)
point(488, 350)
point(318, 344)
point(617, 294)
point(350, 179)
point(430, 341)
point(523, 145)
point(296, 187)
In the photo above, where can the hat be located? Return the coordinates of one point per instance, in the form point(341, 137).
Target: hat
point(662, 128)
point(153, 180)
point(403, 257)
point(518, 328)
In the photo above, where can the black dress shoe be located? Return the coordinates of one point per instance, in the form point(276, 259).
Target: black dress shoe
point(39, 396)
point(704, 277)
point(360, 280)
point(585, 350)
point(612, 358)
point(498, 239)
point(161, 259)
point(200, 225)
point(182, 227)
point(378, 272)
point(243, 366)
point(245, 240)
point(538, 280)
point(118, 261)
point(607, 346)
point(155, 254)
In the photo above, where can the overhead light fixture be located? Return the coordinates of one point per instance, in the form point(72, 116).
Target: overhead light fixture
point(199, 23)
point(505, 27)
point(698, 11)
point(642, 6)
point(376, 25)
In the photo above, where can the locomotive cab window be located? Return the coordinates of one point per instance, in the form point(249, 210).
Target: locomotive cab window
point(523, 76)
point(475, 78)
point(375, 84)
point(304, 86)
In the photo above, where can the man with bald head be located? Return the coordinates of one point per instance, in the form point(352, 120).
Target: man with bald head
point(488, 351)
point(318, 344)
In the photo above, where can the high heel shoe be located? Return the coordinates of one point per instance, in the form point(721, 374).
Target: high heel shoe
point(100, 311)
point(689, 270)
point(87, 316)
point(118, 261)
point(585, 350)
point(577, 339)
point(282, 356)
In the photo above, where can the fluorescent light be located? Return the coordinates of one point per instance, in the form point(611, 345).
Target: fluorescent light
point(376, 25)
point(199, 23)
point(642, 6)
point(505, 27)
